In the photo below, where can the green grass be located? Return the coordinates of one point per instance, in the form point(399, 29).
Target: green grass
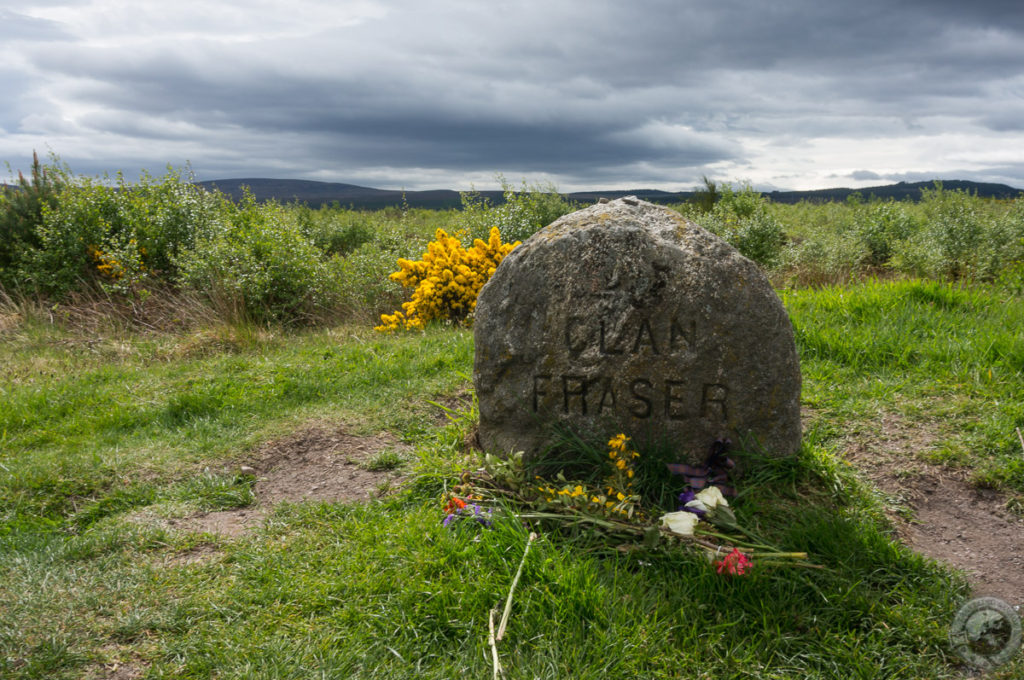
point(948, 358)
point(93, 422)
point(95, 429)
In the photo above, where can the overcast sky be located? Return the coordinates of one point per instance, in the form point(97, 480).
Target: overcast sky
point(588, 94)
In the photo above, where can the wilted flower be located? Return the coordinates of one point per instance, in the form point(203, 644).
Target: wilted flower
point(466, 510)
point(734, 564)
point(454, 504)
point(681, 522)
point(688, 503)
point(712, 497)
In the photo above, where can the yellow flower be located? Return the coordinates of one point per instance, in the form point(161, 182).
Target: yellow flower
point(446, 281)
point(618, 442)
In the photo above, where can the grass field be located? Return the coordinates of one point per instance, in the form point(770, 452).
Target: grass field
point(96, 428)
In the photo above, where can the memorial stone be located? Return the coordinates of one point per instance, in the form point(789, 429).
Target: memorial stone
point(626, 317)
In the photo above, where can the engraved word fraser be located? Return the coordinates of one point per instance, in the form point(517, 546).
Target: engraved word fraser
point(624, 317)
point(641, 397)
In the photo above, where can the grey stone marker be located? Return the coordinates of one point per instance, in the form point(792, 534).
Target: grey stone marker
point(625, 317)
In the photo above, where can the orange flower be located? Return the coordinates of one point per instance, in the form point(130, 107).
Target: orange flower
point(454, 504)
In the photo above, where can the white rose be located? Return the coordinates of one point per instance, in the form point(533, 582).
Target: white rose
point(681, 522)
point(712, 497)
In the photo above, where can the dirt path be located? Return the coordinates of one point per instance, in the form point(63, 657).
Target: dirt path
point(937, 512)
point(320, 462)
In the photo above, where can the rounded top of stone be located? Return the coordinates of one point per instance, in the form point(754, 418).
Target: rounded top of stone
point(630, 214)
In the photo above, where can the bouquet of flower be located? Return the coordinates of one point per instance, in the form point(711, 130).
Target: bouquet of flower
point(703, 520)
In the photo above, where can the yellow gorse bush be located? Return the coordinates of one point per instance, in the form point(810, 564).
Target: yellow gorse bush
point(446, 282)
point(107, 264)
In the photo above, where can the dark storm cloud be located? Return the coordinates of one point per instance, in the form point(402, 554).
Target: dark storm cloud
point(597, 92)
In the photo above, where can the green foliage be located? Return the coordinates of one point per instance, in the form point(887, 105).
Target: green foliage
point(704, 200)
point(162, 240)
point(882, 228)
point(742, 218)
point(523, 213)
point(334, 231)
point(257, 263)
point(80, 234)
point(824, 258)
point(961, 238)
point(118, 236)
point(21, 215)
point(951, 243)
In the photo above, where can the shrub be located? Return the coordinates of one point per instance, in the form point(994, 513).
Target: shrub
point(742, 218)
point(164, 215)
point(256, 263)
point(118, 236)
point(21, 215)
point(81, 241)
point(1004, 241)
point(954, 232)
point(446, 281)
point(963, 237)
point(881, 228)
point(760, 238)
point(523, 213)
point(334, 230)
point(365, 290)
point(704, 200)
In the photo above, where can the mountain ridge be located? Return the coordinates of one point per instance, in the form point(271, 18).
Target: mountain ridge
point(317, 193)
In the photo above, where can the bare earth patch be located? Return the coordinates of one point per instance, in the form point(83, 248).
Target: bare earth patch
point(452, 406)
point(129, 671)
point(121, 664)
point(937, 512)
point(200, 554)
point(321, 462)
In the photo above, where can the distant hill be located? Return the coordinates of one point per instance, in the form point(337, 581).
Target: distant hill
point(898, 192)
point(316, 194)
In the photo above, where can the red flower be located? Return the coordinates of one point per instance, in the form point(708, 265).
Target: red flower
point(735, 563)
